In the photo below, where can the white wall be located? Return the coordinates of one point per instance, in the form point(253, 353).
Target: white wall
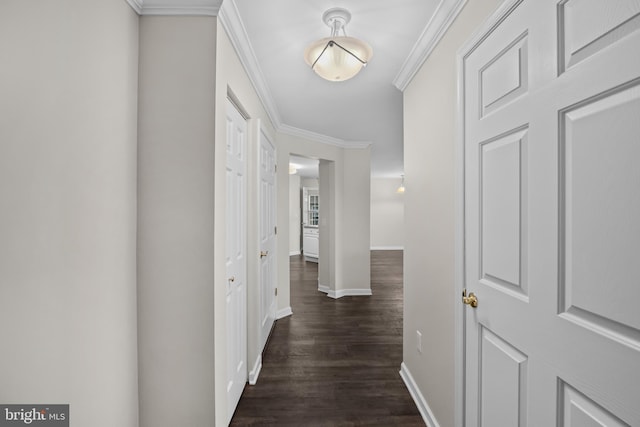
point(176, 209)
point(387, 214)
point(328, 229)
point(353, 263)
point(310, 182)
point(68, 111)
point(430, 138)
point(295, 215)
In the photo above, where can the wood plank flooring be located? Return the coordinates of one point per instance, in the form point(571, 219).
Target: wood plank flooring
point(335, 362)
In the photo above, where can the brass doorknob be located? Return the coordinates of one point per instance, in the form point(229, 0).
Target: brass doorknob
point(471, 300)
point(264, 254)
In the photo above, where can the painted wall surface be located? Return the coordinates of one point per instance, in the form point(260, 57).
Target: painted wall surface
point(355, 219)
point(175, 227)
point(310, 182)
point(327, 217)
point(387, 214)
point(231, 77)
point(68, 129)
point(430, 139)
point(295, 218)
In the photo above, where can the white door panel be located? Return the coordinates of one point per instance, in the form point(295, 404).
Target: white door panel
point(552, 215)
point(236, 295)
point(268, 244)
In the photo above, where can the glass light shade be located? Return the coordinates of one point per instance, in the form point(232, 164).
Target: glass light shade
point(334, 63)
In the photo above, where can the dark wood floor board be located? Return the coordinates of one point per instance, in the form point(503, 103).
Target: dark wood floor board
point(334, 362)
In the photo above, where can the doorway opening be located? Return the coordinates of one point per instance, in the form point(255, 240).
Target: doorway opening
point(304, 208)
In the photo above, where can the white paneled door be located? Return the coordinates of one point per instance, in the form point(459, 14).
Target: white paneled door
point(267, 165)
point(551, 102)
point(236, 260)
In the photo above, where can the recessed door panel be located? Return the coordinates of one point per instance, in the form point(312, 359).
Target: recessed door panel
point(503, 379)
point(601, 230)
point(505, 77)
point(581, 36)
point(577, 410)
point(503, 197)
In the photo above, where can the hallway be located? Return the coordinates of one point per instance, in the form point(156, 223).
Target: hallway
point(335, 362)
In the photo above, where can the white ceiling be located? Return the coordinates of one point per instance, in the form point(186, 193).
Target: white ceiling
point(367, 108)
point(270, 38)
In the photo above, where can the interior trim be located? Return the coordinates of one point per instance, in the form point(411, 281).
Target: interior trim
point(284, 312)
point(349, 293)
point(231, 21)
point(426, 412)
point(255, 372)
point(174, 8)
point(440, 22)
point(324, 139)
point(136, 5)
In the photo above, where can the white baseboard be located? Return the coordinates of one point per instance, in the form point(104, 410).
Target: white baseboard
point(323, 288)
point(283, 313)
point(255, 372)
point(387, 248)
point(292, 253)
point(418, 398)
point(348, 293)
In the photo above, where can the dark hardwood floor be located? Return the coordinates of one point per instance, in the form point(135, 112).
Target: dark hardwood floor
point(335, 362)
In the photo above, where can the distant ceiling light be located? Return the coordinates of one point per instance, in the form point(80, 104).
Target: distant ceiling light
point(337, 58)
point(292, 170)
point(400, 189)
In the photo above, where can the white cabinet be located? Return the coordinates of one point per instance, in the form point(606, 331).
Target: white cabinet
point(311, 220)
point(311, 243)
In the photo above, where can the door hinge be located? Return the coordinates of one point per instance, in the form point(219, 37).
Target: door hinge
point(275, 230)
point(276, 291)
point(275, 168)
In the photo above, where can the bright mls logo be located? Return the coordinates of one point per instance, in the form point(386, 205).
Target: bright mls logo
point(34, 415)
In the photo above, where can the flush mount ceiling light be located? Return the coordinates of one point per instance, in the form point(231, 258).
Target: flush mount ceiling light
point(337, 58)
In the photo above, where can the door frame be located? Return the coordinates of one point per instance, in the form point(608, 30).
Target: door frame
point(465, 50)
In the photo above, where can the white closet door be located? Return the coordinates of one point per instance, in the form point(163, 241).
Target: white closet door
point(552, 215)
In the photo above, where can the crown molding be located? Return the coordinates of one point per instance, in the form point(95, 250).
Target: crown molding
point(437, 26)
point(231, 21)
point(179, 11)
point(136, 5)
point(174, 8)
point(324, 139)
